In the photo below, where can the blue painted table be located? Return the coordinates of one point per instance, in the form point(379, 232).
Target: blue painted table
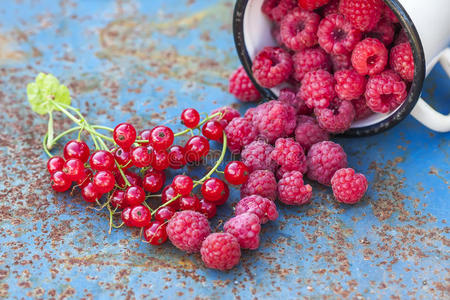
point(144, 61)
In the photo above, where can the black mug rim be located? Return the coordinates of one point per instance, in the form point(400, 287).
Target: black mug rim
point(405, 108)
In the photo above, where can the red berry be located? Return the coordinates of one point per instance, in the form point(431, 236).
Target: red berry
point(363, 14)
point(124, 135)
point(177, 158)
point(224, 198)
point(126, 216)
point(213, 130)
point(123, 158)
point(85, 178)
point(145, 136)
point(190, 203)
point(207, 208)
point(164, 213)
point(140, 216)
point(197, 147)
point(55, 163)
point(60, 181)
point(190, 117)
point(142, 156)
point(369, 57)
point(153, 181)
point(298, 29)
point(272, 66)
point(183, 184)
point(133, 179)
point(348, 187)
point(134, 195)
point(317, 88)
point(167, 195)
point(90, 193)
point(104, 181)
point(277, 9)
point(74, 169)
point(161, 137)
point(312, 4)
point(76, 149)
point(161, 160)
point(213, 189)
point(240, 85)
point(155, 233)
point(102, 160)
point(402, 61)
point(236, 172)
point(385, 92)
point(117, 199)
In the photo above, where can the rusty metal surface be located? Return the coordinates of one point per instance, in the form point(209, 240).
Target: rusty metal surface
point(144, 61)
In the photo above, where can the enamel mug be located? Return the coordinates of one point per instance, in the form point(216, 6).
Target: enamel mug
point(427, 25)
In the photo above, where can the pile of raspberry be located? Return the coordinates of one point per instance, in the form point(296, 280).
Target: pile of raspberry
point(340, 61)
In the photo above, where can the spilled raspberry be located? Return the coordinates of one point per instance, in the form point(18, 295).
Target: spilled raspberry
point(289, 154)
point(308, 132)
point(337, 117)
point(245, 228)
point(262, 183)
point(220, 251)
point(348, 187)
point(240, 132)
point(264, 208)
point(323, 160)
point(292, 190)
point(242, 87)
point(256, 156)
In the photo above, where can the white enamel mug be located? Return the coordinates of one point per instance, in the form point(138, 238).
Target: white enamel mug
point(427, 25)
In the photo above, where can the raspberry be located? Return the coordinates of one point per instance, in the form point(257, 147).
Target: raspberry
point(349, 84)
point(385, 92)
point(402, 37)
point(369, 57)
point(289, 154)
point(290, 97)
point(389, 14)
point(272, 66)
point(250, 113)
point(308, 133)
point(242, 87)
point(264, 208)
point(309, 60)
point(331, 8)
point(362, 111)
point(277, 9)
point(256, 156)
point(220, 251)
point(341, 62)
point(298, 29)
point(337, 117)
point(274, 119)
point(187, 229)
point(292, 190)
point(245, 228)
point(262, 183)
point(312, 4)
point(323, 160)
point(362, 14)
point(384, 31)
point(336, 35)
point(228, 114)
point(348, 187)
point(240, 132)
point(317, 89)
point(402, 61)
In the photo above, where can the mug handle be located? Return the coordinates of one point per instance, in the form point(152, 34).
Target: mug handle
point(423, 112)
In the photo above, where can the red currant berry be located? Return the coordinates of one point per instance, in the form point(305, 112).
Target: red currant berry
point(213, 130)
point(213, 189)
point(236, 172)
point(167, 195)
point(207, 208)
point(102, 160)
point(177, 158)
point(133, 179)
point(224, 197)
point(60, 181)
point(134, 195)
point(126, 216)
point(117, 199)
point(197, 147)
point(145, 136)
point(164, 213)
point(183, 184)
point(153, 181)
point(76, 149)
point(55, 163)
point(104, 181)
point(85, 179)
point(155, 233)
point(161, 160)
point(190, 117)
point(123, 158)
point(190, 203)
point(140, 216)
point(161, 137)
point(74, 169)
point(124, 135)
point(142, 156)
point(90, 193)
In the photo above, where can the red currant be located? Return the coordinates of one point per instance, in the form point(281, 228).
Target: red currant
point(74, 169)
point(102, 160)
point(142, 156)
point(133, 179)
point(145, 136)
point(85, 179)
point(117, 199)
point(224, 197)
point(55, 163)
point(236, 172)
point(124, 135)
point(161, 137)
point(190, 203)
point(123, 158)
point(161, 160)
point(140, 216)
point(190, 117)
point(104, 181)
point(60, 181)
point(155, 233)
point(213, 189)
point(164, 213)
point(177, 158)
point(167, 195)
point(196, 148)
point(153, 181)
point(126, 216)
point(207, 208)
point(90, 193)
point(134, 195)
point(183, 184)
point(76, 149)
point(213, 130)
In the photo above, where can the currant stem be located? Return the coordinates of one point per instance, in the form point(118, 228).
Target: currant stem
point(50, 131)
point(217, 114)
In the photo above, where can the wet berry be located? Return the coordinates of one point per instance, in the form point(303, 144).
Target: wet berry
point(134, 195)
point(123, 158)
point(160, 160)
point(102, 160)
point(90, 193)
point(213, 130)
point(213, 189)
point(190, 117)
point(142, 156)
point(177, 158)
point(236, 172)
point(207, 208)
point(126, 216)
point(164, 213)
point(76, 149)
point(55, 163)
point(153, 181)
point(161, 137)
point(85, 178)
point(104, 181)
point(140, 216)
point(155, 233)
point(74, 169)
point(133, 179)
point(117, 199)
point(124, 135)
point(190, 203)
point(224, 198)
point(183, 184)
point(145, 136)
point(167, 195)
point(196, 148)
point(60, 181)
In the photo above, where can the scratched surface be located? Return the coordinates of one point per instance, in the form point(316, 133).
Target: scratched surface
point(143, 61)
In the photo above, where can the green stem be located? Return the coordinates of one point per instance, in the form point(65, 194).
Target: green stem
point(50, 131)
point(199, 124)
point(44, 145)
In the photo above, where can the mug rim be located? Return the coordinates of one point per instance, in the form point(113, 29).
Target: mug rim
point(401, 112)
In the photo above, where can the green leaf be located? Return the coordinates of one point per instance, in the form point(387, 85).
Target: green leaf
point(43, 90)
